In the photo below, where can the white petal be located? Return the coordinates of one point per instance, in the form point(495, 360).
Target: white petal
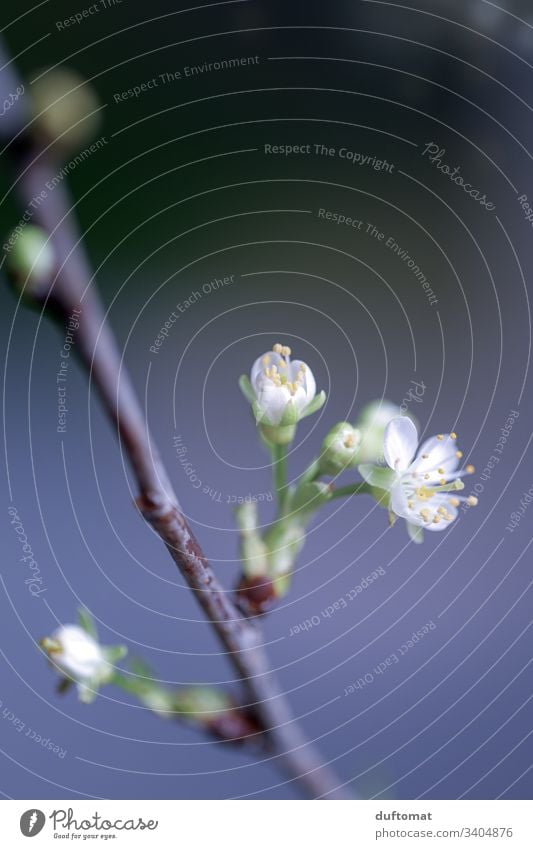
point(399, 497)
point(258, 368)
point(80, 655)
point(309, 383)
point(400, 443)
point(441, 454)
point(272, 400)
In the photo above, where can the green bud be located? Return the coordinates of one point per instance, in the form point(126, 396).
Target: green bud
point(254, 552)
point(65, 108)
point(285, 541)
point(31, 262)
point(339, 449)
point(308, 498)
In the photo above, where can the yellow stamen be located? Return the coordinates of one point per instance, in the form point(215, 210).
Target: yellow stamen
point(472, 501)
point(454, 502)
point(459, 454)
point(470, 470)
point(453, 436)
point(286, 351)
point(440, 436)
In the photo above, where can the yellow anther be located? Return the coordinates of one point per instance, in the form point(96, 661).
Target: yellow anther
point(443, 512)
point(454, 502)
point(410, 504)
point(470, 470)
point(442, 481)
point(266, 360)
point(453, 436)
point(425, 456)
point(278, 349)
point(426, 477)
point(436, 520)
point(348, 442)
point(459, 454)
point(286, 351)
point(441, 471)
point(472, 501)
point(440, 436)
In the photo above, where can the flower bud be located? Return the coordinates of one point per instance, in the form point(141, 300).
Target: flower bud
point(339, 449)
point(65, 109)
point(285, 541)
point(308, 498)
point(31, 262)
point(282, 392)
point(253, 550)
point(371, 423)
point(256, 595)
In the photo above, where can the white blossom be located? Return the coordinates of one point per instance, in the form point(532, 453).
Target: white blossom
point(421, 481)
point(283, 388)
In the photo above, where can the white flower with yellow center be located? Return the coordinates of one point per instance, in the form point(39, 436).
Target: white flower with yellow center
point(78, 656)
point(421, 481)
point(282, 391)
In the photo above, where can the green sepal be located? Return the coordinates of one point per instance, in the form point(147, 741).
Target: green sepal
point(258, 412)
point(416, 532)
point(246, 388)
point(115, 653)
point(87, 622)
point(290, 415)
point(278, 435)
point(88, 690)
point(377, 476)
point(317, 402)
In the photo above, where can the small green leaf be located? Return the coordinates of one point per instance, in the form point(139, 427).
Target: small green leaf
point(86, 622)
point(246, 388)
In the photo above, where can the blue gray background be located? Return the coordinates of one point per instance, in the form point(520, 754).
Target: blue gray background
point(183, 194)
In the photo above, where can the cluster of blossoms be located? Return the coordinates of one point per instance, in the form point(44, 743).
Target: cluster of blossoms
point(419, 484)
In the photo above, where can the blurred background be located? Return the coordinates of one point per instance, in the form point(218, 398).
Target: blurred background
point(186, 190)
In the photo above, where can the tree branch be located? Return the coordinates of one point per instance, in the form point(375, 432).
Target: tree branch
point(158, 503)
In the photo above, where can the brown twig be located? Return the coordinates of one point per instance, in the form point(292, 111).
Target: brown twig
point(73, 287)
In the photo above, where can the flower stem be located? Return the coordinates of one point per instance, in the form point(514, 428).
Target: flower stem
point(279, 472)
point(311, 473)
